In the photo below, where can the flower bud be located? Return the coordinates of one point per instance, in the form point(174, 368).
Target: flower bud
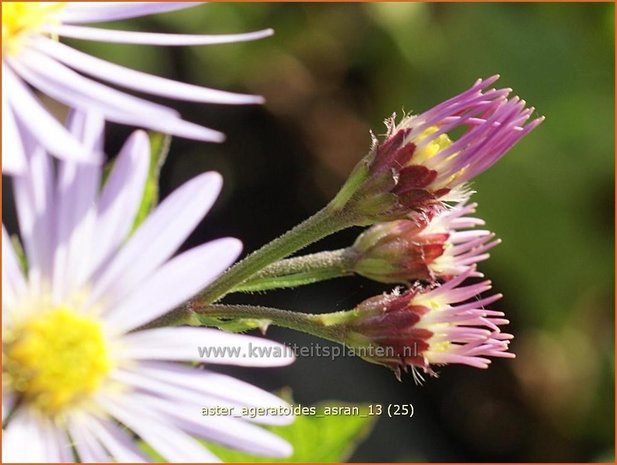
point(435, 244)
point(419, 164)
point(425, 327)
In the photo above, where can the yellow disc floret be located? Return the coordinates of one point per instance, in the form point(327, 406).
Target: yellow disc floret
point(56, 360)
point(438, 329)
point(436, 145)
point(425, 154)
point(20, 19)
point(443, 346)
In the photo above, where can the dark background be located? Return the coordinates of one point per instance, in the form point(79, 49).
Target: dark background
point(334, 71)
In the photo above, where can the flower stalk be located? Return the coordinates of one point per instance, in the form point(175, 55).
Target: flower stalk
point(326, 325)
point(325, 222)
point(300, 271)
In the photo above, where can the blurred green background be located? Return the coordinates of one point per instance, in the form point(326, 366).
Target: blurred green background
point(332, 72)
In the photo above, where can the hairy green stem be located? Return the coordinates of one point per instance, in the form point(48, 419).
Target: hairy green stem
point(325, 326)
point(325, 222)
point(299, 271)
point(288, 281)
point(358, 176)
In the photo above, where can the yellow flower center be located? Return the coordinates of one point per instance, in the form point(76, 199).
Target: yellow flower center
point(56, 360)
point(432, 148)
point(425, 154)
point(434, 305)
point(20, 19)
point(440, 346)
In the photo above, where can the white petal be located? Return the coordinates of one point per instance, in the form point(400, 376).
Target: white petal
point(88, 127)
point(13, 155)
point(203, 388)
point(94, 12)
point(39, 122)
point(157, 238)
point(120, 445)
point(216, 385)
point(138, 80)
point(230, 432)
point(75, 203)
point(39, 439)
point(8, 402)
point(150, 38)
point(121, 197)
point(188, 399)
point(204, 345)
point(44, 72)
point(57, 444)
point(173, 284)
point(23, 440)
point(174, 126)
point(13, 282)
point(236, 434)
point(34, 203)
point(170, 442)
point(88, 447)
point(123, 109)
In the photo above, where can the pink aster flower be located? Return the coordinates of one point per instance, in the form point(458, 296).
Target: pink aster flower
point(419, 164)
point(82, 377)
point(438, 243)
point(32, 57)
point(425, 327)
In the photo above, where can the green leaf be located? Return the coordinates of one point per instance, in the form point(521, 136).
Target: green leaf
point(20, 254)
point(159, 147)
point(234, 326)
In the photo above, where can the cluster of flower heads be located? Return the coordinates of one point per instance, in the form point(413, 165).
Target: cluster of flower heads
point(417, 179)
point(82, 376)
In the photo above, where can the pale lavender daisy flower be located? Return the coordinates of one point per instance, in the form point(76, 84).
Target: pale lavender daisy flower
point(424, 327)
point(32, 57)
point(82, 377)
